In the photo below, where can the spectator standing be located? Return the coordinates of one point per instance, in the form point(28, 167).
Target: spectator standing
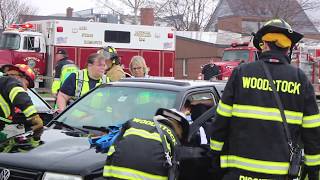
point(138, 67)
point(210, 71)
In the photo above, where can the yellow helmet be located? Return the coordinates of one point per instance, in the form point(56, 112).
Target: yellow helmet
point(109, 53)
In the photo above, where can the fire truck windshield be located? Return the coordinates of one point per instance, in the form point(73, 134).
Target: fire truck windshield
point(235, 55)
point(10, 41)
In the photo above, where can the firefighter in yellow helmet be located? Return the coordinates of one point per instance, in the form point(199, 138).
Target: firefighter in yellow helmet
point(114, 69)
point(248, 137)
point(18, 78)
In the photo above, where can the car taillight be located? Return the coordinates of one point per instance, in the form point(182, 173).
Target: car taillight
point(170, 35)
point(59, 29)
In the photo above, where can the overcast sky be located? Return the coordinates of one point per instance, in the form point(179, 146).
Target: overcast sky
point(60, 6)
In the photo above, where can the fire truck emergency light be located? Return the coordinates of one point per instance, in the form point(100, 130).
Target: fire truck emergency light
point(26, 26)
point(14, 26)
point(235, 44)
point(59, 29)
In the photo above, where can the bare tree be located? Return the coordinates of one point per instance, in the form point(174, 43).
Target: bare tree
point(186, 14)
point(11, 9)
point(118, 6)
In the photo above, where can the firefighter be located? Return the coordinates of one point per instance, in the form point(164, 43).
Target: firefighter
point(79, 83)
point(139, 151)
point(114, 70)
point(248, 133)
point(18, 78)
point(63, 69)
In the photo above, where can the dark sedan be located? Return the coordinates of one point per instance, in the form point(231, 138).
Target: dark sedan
point(64, 151)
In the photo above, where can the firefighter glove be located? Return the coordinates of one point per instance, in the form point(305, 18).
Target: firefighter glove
point(37, 123)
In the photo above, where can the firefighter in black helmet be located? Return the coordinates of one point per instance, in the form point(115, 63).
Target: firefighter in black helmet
point(141, 151)
point(248, 139)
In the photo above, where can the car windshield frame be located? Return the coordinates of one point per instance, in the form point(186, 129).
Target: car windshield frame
point(5, 38)
point(233, 55)
point(77, 114)
point(41, 105)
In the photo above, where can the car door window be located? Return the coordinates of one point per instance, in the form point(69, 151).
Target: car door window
point(202, 101)
point(203, 98)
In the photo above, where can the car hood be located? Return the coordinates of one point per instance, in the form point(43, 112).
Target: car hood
point(58, 152)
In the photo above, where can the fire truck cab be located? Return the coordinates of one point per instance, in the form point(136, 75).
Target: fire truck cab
point(20, 44)
point(233, 56)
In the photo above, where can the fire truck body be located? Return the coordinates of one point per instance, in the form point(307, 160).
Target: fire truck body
point(80, 39)
point(307, 58)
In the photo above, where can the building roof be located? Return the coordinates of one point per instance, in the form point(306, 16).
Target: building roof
point(24, 18)
point(218, 38)
point(259, 8)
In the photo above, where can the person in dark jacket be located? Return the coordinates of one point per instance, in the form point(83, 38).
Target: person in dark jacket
point(138, 152)
point(210, 71)
point(248, 133)
point(63, 69)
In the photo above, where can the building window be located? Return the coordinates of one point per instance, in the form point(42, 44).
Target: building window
point(117, 36)
point(185, 67)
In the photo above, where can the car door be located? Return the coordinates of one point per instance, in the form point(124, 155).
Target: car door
point(201, 100)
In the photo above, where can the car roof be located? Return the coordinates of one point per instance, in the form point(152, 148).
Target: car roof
point(167, 84)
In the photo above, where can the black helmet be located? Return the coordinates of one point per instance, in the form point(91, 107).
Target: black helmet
point(276, 26)
point(109, 53)
point(173, 114)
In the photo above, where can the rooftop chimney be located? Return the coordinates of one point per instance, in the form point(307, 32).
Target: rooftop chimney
point(69, 12)
point(147, 16)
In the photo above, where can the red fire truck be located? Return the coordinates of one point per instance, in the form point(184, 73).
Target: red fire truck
point(304, 56)
point(35, 42)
